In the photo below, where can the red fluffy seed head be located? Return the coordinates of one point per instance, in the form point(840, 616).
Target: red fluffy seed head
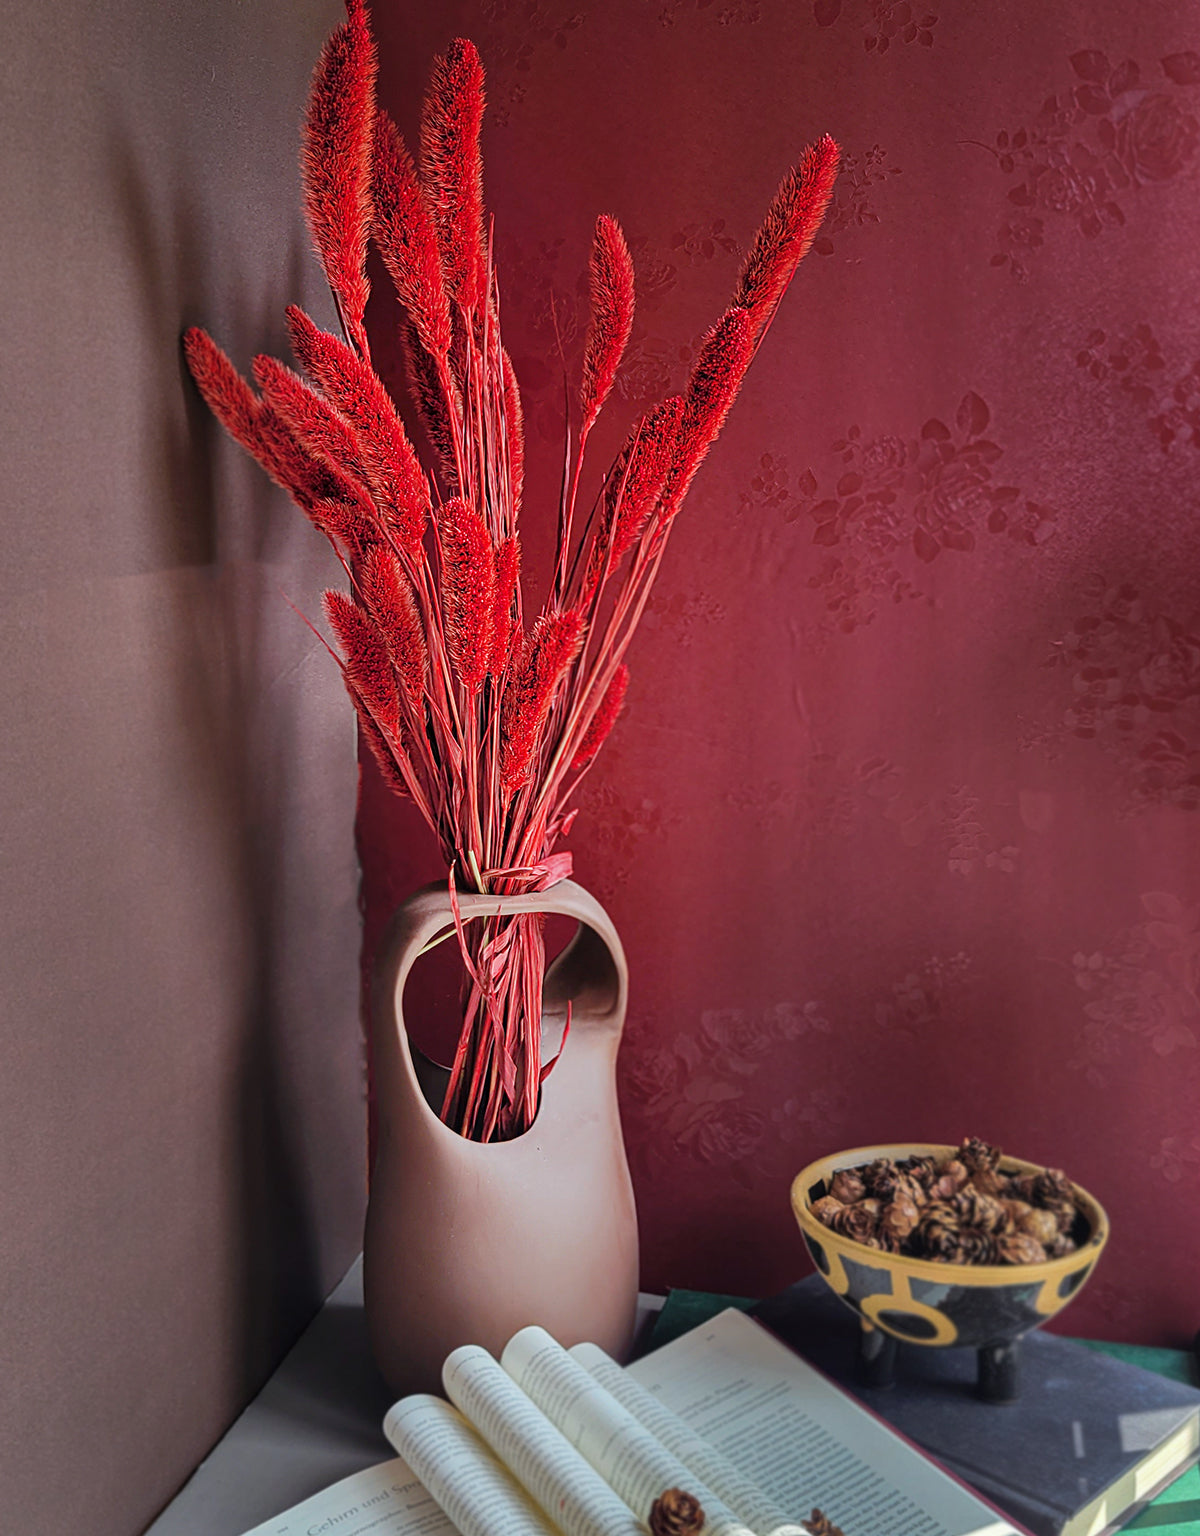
point(788, 231)
point(548, 651)
point(721, 365)
point(389, 461)
point(225, 392)
point(603, 720)
point(317, 426)
point(634, 485)
point(468, 590)
point(369, 672)
point(611, 274)
point(388, 595)
point(335, 161)
point(452, 170)
point(508, 564)
point(407, 240)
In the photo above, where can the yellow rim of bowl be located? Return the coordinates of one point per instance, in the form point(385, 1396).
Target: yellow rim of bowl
point(933, 1269)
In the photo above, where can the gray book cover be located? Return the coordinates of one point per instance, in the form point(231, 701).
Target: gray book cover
point(1084, 1421)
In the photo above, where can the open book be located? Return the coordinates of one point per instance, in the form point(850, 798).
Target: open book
point(725, 1421)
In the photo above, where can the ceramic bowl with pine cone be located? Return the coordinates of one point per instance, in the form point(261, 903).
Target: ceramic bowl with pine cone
point(932, 1301)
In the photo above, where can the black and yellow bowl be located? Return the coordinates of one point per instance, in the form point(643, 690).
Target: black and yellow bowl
point(921, 1301)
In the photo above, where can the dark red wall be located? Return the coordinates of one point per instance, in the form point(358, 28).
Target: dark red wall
point(901, 824)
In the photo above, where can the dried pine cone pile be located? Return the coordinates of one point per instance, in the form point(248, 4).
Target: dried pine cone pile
point(961, 1211)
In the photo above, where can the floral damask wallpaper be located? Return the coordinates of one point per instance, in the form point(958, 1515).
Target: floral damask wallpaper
point(901, 824)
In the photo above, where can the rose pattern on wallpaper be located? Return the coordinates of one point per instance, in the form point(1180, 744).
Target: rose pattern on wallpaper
point(899, 499)
point(1144, 983)
point(957, 819)
point(690, 1089)
point(1168, 398)
point(621, 823)
point(924, 999)
point(1178, 1159)
point(726, 13)
point(1134, 689)
point(1091, 146)
point(884, 22)
point(852, 206)
point(515, 32)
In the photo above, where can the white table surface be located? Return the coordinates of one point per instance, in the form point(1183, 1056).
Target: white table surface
point(317, 1420)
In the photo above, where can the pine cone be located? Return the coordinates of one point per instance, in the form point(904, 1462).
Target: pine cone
point(973, 1247)
point(675, 1513)
point(859, 1222)
point(899, 1219)
point(880, 1177)
point(1064, 1213)
point(975, 1209)
point(937, 1234)
point(847, 1186)
point(978, 1156)
point(918, 1168)
point(1042, 1225)
point(1018, 1248)
point(826, 1208)
point(949, 1178)
point(1052, 1187)
point(821, 1525)
point(1059, 1247)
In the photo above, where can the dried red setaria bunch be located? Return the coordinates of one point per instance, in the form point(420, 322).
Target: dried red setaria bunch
point(487, 720)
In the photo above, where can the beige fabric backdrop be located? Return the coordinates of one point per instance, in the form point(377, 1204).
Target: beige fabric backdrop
point(181, 1143)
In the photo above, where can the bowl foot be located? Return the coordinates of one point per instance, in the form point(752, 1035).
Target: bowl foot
point(875, 1365)
point(999, 1378)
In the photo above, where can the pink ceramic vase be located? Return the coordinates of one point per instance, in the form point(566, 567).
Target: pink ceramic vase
point(466, 1243)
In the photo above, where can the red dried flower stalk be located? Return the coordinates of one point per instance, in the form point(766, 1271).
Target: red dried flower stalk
point(368, 667)
point(720, 367)
point(468, 590)
point(508, 562)
point(434, 414)
point(602, 721)
point(611, 274)
point(514, 432)
point(317, 426)
point(335, 163)
point(452, 170)
point(406, 238)
point(630, 497)
point(388, 595)
point(225, 392)
point(547, 652)
point(389, 461)
point(788, 231)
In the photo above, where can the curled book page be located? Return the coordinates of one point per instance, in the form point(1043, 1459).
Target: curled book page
point(460, 1472)
point(628, 1456)
point(537, 1454)
point(715, 1470)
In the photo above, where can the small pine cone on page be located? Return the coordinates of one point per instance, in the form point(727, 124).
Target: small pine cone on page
point(937, 1233)
point(818, 1524)
point(676, 1513)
